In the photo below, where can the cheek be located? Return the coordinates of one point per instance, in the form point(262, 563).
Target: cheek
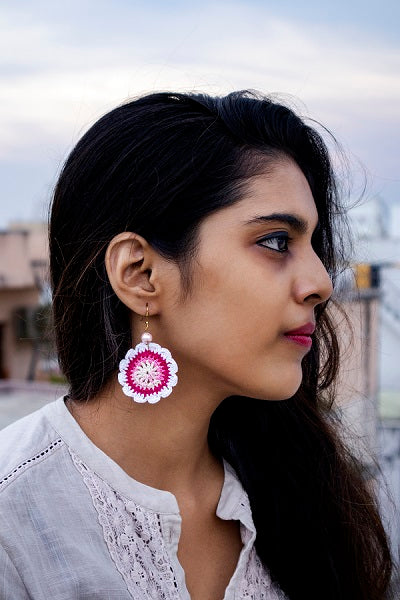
point(237, 343)
point(262, 368)
point(228, 333)
point(233, 306)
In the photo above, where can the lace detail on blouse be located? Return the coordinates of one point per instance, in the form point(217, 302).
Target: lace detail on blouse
point(134, 540)
point(257, 584)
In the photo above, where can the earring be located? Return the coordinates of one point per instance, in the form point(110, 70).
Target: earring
point(148, 371)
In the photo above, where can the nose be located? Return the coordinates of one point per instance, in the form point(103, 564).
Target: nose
point(312, 282)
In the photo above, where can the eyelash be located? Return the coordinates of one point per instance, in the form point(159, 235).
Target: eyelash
point(283, 236)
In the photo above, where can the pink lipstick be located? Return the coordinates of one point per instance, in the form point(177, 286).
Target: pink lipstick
point(302, 335)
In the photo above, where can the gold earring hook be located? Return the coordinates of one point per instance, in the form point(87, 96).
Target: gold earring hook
point(146, 325)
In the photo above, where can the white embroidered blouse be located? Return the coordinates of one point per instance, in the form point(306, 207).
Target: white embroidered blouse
point(75, 526)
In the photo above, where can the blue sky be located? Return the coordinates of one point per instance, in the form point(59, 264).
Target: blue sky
point(62, 65)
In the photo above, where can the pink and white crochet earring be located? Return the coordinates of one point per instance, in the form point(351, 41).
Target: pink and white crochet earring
point(148, 371)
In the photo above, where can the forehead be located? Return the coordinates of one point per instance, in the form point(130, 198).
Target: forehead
point(284, 189)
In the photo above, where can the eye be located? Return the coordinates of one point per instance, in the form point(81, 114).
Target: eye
point(277, 241)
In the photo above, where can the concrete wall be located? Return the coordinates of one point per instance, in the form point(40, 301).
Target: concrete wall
point(357, 394)
point(16, 353)
point(23, 272)
point(15, 268)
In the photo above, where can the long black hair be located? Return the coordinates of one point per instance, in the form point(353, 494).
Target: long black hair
point(157, 166)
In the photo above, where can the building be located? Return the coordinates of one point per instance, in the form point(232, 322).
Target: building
point(378, 243)
point(23, 276)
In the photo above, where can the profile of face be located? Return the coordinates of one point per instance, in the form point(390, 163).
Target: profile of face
point(256, 277)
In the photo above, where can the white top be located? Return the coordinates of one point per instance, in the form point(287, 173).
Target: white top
point(75, 526)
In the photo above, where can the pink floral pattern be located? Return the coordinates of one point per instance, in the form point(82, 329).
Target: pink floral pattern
point(148, 373)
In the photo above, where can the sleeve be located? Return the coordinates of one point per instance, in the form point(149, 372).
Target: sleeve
point(11, 585)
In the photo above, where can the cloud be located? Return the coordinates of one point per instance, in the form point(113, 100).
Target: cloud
point(62, 67)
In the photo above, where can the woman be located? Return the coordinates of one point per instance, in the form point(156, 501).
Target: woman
point(193, 246)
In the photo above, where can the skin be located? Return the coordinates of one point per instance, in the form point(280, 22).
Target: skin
point(227, 338)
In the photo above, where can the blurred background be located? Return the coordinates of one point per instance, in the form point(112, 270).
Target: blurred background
point(62, 65)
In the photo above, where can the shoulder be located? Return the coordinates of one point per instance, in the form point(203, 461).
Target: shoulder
point(26, 443)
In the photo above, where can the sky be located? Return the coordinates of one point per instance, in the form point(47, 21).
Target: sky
point(63, 65)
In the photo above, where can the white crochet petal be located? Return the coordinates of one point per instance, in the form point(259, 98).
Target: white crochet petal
point(165, 392)
point(154, 398)
point(138, 397)
point(173, 380)
point(123, 363)
point(155, 347)
point(166, 354)
point(122, 378)
point(128, 391)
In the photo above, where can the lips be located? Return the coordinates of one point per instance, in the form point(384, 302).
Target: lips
point(307, 329)
point(302, 335)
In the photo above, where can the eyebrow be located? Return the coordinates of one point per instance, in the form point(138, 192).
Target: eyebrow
point(296, 222)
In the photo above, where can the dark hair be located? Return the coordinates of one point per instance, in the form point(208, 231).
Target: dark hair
point(157, 166)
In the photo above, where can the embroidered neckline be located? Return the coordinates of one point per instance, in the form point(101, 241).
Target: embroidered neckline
point(26, 464)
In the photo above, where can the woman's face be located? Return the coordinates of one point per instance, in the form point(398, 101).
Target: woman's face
point(256, 277)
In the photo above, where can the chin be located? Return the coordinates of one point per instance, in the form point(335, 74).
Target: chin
point(280, 397)
point(282, 389)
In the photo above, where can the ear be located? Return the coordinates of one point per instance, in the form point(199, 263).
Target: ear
point(132, 267)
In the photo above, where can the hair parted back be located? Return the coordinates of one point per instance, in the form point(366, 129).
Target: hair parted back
point(157, 166)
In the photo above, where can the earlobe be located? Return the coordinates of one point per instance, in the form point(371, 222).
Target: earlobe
point(129, 265)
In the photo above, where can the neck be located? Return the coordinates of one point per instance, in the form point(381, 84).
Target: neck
point(163, 445)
